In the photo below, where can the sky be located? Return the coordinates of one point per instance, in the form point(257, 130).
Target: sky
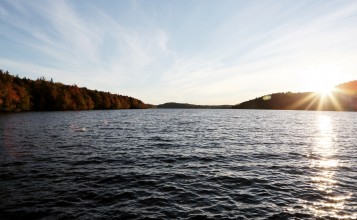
point(191, 51)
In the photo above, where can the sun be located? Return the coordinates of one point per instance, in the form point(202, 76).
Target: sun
point(320, 79)
point(325, 89)
point(321, 83)
point(324, 86)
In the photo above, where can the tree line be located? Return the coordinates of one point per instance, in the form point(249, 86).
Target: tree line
point(22, 94)
point(342, 98)
point(282, 101)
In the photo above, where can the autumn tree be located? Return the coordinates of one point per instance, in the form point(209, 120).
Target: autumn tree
point(18, 94)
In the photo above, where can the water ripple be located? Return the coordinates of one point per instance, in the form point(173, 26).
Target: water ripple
point(178, 164)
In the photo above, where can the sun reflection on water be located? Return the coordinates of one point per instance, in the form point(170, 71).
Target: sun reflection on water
point(333, 203)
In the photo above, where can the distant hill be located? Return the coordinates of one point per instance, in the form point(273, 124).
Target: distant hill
point(191, 106)
point(349, 88)
point(343, 98)
point(18, 95)
point(150, 105)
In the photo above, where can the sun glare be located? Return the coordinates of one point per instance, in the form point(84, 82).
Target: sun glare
point(320, 79)
point(325, 89)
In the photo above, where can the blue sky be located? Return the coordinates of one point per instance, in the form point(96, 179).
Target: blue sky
point(198, 51)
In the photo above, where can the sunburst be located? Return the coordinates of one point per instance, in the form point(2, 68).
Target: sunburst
point(323, 99)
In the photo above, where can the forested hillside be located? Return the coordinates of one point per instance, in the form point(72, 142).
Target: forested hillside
point(342, 98)
point(22, 94)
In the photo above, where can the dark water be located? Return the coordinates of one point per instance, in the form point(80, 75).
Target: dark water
point(178, 164)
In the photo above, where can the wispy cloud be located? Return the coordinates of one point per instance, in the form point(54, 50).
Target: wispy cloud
point(174, 51)
point(281, 59)
point(96, 47)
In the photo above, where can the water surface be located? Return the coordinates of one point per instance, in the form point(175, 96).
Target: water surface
point(187, 164)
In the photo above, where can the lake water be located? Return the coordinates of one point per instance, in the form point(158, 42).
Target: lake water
point(186, 164)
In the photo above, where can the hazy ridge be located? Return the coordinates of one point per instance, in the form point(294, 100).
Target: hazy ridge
point(192, 106)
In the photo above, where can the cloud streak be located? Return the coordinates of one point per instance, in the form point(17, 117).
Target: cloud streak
point(216, 53)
